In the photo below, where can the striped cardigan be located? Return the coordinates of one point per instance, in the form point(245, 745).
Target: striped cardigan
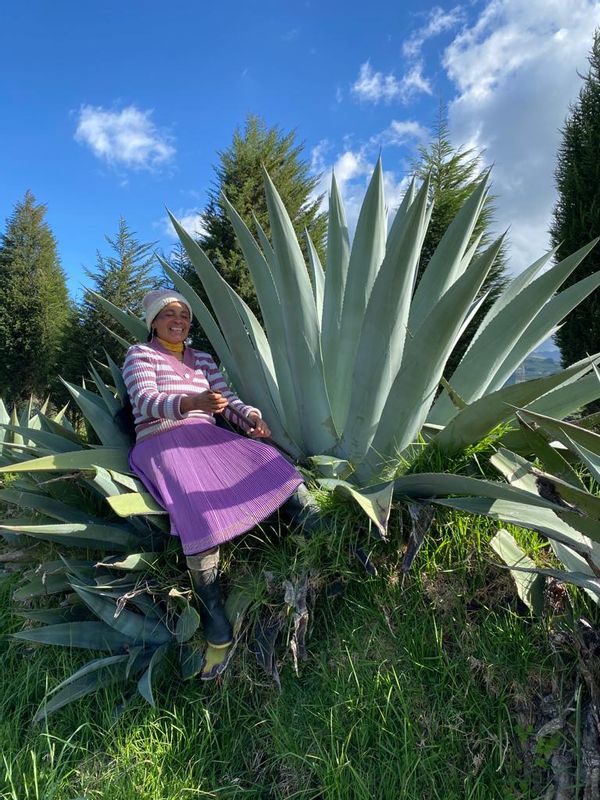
point(156, 383)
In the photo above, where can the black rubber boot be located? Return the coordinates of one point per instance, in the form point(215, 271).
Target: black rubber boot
point(204, 571)
point(302, 510)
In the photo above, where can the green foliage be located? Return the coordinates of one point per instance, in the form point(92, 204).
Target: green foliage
point(34, 303)
point(453, 173)
point(577, 211)
point(123, 276)
point(238, 176)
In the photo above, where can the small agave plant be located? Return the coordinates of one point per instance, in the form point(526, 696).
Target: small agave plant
point(119, 602)
point(348, 370)
point(563, 504)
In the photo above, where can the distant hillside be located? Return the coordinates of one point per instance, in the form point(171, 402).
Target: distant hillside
point(545, 360)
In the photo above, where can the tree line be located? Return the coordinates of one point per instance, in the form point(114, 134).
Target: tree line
point(44, 333)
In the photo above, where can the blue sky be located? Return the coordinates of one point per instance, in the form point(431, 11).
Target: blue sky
point(119, 108)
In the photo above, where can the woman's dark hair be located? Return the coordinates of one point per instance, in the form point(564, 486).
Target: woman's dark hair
point(125, 420)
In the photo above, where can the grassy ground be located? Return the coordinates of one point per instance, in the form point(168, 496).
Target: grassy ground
point(422, 689)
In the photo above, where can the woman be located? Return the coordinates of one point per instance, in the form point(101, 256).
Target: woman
point(214, 483)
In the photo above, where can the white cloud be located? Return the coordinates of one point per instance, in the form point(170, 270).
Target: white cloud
point(190, 218)
point(126, 138)
point(515, 72)
point(399, 132)
point(374, 87)
point(439, 21)
point(353, 167)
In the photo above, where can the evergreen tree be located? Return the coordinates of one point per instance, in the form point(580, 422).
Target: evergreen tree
point(34, 303)
point(123, 276)
point(239, 177)
point(454, 173)
point(576, 218)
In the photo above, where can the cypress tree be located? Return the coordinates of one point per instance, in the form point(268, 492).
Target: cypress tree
point(239, 176)
point(576, 218)
point(123, 276)
point(34, 303)
point(454, 173)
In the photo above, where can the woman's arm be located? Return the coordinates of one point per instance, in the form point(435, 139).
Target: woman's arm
point(217, 383)
point(139, 374)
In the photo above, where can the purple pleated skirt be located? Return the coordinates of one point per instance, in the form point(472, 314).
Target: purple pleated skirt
point(214, 483)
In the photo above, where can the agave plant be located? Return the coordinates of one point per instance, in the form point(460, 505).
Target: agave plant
point(348, 370)
point(569, 459)
point(118, 602)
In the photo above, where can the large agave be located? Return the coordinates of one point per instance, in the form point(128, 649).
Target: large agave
point(348, 366)
point(347, 370)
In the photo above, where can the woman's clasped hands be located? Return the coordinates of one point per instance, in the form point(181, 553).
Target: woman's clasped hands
point(216, 403)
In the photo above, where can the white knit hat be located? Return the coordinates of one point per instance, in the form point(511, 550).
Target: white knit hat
point(155, 301)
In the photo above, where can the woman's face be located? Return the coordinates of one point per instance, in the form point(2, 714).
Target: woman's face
point(172, 323)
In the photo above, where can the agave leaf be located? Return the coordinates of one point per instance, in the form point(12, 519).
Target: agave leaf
point(136, 562)
point(47, 505)
point(56, 616)
point(128, 481)
point(188, 623)
point(138, 628)
point(145, 682)
point(247, 364)
point(109, 457)
point(568, 398)
point(117, 377)
point(112, 404)
point(382, 338)
point(301, 329)
point(565, 432)
point(487, 352)
point(134, 503)
point(527, 516)
point(191, 661)
point(132, 324)
point(552, 460)
point(446, 264)
point(530, 586)
point(100, 673)
point(49, 441)
point(272, 312)
point(591, 584)
point(375, 501)
point(475, 421)
point(413, 389)
point(123, 342)
point(589, 458)
point(206, 319)
point(541, 325)
point(576, 564)
point(336, 269)
point(316, 272)
point(88, 635)
point(514, 288)
point(60, 429)
point(330, 467)
point(41, 586)
point(91, 666)
point(80, 535)
point(97, 415)
point(366, 256)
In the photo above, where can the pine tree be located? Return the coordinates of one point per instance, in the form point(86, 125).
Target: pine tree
point(576, 218)
point(454, 173)
point(239, 177)
point(123, 276)
point(34, 303)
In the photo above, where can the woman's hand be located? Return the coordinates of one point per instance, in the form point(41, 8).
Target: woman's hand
point(209, 402)
point(261, 429)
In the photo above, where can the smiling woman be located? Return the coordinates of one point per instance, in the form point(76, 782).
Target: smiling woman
point(214, 483)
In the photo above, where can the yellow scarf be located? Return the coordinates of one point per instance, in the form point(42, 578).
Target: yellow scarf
point(179, 347)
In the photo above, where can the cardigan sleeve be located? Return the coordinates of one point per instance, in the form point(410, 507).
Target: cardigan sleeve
point(139, 374)
point(217, 384)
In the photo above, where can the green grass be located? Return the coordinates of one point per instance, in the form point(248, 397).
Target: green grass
point(426, 688)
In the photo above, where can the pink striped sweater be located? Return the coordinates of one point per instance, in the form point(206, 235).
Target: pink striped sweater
point(156, 383)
